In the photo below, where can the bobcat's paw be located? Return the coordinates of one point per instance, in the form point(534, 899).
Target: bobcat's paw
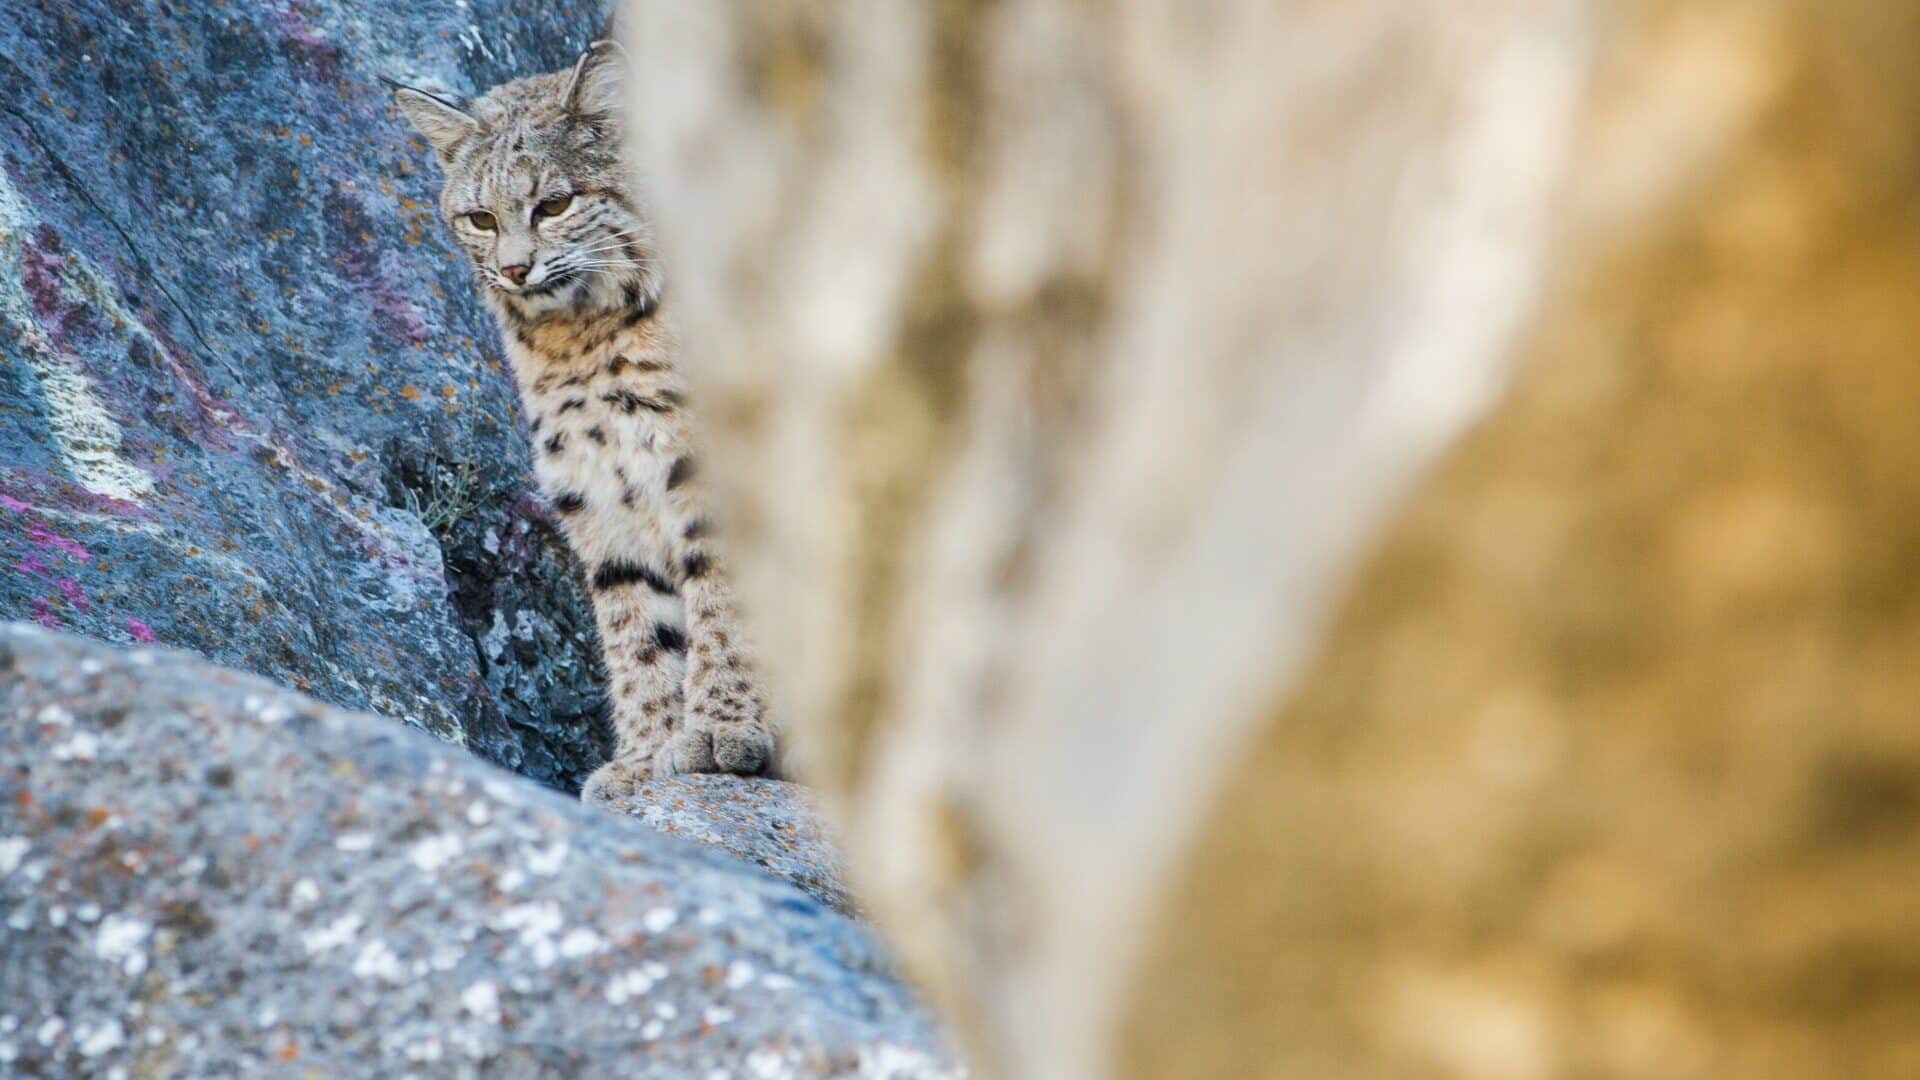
point(745, 749)
point(617, 779)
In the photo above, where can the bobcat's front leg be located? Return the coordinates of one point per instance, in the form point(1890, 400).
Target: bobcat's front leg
point(644, 648)
point(726, 727)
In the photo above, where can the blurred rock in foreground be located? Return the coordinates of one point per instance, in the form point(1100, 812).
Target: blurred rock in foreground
point(203, 874)
point(1068, 359)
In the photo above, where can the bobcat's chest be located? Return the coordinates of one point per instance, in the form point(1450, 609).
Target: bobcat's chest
point(603, 452)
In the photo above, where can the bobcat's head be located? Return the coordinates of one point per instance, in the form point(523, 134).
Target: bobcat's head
point(536, 192)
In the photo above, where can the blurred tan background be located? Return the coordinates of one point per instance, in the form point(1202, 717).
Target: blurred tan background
point(1071, 363)
point(1610, 764)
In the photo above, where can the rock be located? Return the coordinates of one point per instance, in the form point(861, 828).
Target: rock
point(1186, 725)
point(206, 874)
point(249, 404)
point(769, 823)
point(1103, 336)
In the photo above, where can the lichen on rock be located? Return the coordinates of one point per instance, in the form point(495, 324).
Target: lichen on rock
point(237, 361)
point(205, 874)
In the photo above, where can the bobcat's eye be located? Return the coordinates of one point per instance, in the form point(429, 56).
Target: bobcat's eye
point(482, 220)
point(553, 206)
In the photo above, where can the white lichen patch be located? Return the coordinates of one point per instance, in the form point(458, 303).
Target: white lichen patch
point(768, 1065)
point(333, 935)
point(482, 1000)
point(96, 1039)
point(434, 852)
point(580, 942)
point(353, 841)
point(739, 975)
point(536, 924)
point(304, 894)
point(122, 940)
point(659, 920)
point(13, 849)
point(628, 985)
point(85, 435)
point(82, 746)
point(717, 1015)
point(271, 712)
point(377, 960)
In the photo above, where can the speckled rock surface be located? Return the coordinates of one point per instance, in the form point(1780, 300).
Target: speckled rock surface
point(769, 823)
point(249, 404)
point(203, 874)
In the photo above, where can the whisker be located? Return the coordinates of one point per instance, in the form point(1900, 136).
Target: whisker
point(601, 248)
point(622, 237)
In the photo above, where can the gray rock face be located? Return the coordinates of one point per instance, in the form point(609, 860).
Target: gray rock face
point(769, 823)
point(204, 874)
point(249, 404)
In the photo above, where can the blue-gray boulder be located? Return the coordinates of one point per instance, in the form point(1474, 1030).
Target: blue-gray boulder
point(204, 874)
point(249, 403)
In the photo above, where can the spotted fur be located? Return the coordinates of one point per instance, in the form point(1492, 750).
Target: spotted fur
point(536, 195)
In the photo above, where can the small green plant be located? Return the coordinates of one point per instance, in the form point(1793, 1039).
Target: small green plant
point(452, 492)
point(447, 492)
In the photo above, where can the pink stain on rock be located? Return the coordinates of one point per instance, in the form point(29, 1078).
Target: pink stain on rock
point(141, 632)
point(75, 595)
point(43, 613)
point(47, 538)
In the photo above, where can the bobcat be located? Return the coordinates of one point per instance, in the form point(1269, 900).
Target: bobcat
point(536, 194)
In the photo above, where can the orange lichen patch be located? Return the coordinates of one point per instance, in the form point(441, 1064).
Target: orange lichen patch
point(410, 392)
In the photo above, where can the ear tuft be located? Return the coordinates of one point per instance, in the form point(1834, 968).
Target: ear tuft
point(444, 124)
point(594, 87)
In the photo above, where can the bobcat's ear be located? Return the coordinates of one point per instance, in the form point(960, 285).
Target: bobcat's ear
point(444, 124)
point(594, 87)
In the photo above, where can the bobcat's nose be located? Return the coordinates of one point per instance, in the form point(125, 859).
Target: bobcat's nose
point(517, 273)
